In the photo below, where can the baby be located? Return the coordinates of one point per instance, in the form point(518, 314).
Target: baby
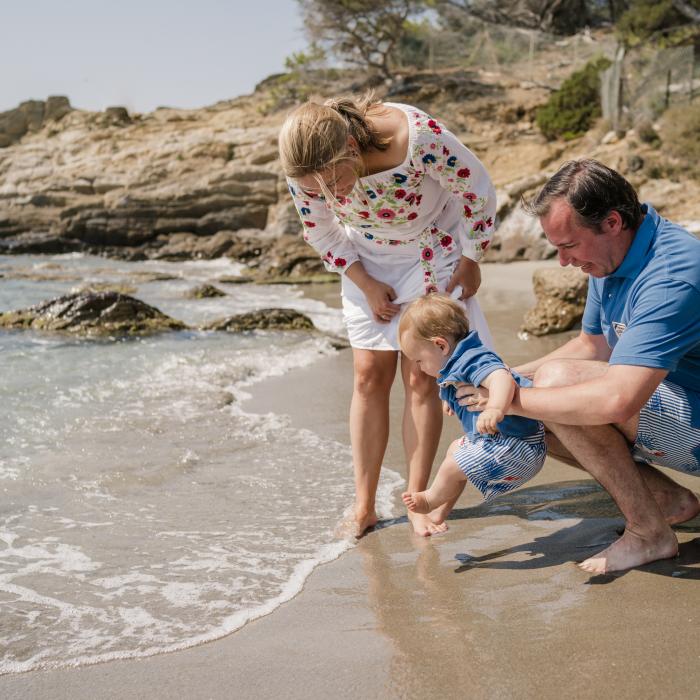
point(497, 453)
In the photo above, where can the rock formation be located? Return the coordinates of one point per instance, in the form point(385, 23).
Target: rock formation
point(92, 314)
point(561, 296)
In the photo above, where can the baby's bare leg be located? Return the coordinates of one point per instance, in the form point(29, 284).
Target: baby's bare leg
point(448, 485)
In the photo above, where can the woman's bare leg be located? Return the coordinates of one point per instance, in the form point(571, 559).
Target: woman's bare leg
point(369, 428)
point(422, 425)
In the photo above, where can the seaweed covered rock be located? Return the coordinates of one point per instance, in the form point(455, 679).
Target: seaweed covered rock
point(561, 296)
point(92, 314)
point(204, 291)
point(272, 319)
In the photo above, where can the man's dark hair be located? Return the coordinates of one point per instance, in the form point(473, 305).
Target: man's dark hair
point(593, 190)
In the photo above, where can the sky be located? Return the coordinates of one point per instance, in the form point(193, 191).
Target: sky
point(142, 55)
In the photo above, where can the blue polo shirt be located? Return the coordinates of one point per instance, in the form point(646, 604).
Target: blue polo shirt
point(471, 362)
point(649, 308)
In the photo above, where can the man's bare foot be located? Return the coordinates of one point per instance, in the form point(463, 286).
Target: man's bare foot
point(632, 550)
point(423, 526)
point(416, 502)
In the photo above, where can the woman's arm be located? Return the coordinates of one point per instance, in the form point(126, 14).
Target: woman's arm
point(322, 230)
point(446, 159)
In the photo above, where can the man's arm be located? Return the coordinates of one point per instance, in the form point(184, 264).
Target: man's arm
point(583, 347)
point(612, 398)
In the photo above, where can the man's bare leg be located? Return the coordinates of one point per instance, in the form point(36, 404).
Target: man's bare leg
point(446, 488)
point(677, 503)
point(369, 429)
point(604, 452)
point(422, 425)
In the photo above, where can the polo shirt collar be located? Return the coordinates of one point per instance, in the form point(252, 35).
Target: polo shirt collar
point(643, 238)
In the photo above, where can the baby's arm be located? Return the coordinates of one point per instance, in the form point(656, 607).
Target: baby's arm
point(501, 386)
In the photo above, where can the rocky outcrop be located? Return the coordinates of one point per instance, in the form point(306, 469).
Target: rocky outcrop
point(30, 117)
point(92, 314)
point(204, 291)
point(561, 297)
point(270, 319)
point(180, 184)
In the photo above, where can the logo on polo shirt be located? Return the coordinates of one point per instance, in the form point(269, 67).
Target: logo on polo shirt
point(619, 328)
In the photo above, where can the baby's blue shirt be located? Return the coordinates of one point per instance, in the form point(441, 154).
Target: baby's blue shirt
point(471, 362)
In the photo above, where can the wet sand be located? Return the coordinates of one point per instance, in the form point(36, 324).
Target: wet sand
point(495, 608)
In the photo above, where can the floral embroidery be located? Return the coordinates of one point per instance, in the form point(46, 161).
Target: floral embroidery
point(333, 261)
point(395, 199)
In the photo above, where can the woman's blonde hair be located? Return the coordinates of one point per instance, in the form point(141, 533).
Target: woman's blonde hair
point(314, 137)
point(434, 316)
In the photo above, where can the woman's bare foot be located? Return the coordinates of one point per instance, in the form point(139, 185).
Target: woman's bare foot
point(364, 520)
point(632, 550)
point(423, 526)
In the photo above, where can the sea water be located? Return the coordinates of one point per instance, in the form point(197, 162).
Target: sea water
point(142, 509)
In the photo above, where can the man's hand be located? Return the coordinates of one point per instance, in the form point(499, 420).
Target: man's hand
point(488, 421)
point(474, 398)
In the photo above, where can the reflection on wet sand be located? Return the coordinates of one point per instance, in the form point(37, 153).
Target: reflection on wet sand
point(516, 588)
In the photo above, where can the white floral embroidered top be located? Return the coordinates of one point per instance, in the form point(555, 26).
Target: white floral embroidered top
point(441, 187)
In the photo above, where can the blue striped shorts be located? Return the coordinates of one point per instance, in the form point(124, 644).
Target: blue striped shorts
point(498, 463)
point(669, 429)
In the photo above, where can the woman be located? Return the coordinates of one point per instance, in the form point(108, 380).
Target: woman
point(393, 202)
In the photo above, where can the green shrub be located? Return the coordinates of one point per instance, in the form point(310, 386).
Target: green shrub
point(571, 110)
point(654, 18)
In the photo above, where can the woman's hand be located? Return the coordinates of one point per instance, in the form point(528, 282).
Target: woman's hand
point(380, 297)
point(474, 398)
point(468, 276)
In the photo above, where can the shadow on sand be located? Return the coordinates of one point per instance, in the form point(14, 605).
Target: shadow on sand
point(565, 501)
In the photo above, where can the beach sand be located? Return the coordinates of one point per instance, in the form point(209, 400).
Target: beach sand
point(495, 608)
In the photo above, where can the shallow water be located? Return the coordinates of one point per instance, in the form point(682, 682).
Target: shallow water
point(143, 509)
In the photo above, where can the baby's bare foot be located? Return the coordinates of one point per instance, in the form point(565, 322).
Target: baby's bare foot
point(416, 502)
point(632, 550)
point(439, 515)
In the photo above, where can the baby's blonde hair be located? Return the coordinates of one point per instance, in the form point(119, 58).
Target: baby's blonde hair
point(434, 316)
point(314, 137)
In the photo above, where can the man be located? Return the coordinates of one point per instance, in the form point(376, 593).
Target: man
point(625, 393)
